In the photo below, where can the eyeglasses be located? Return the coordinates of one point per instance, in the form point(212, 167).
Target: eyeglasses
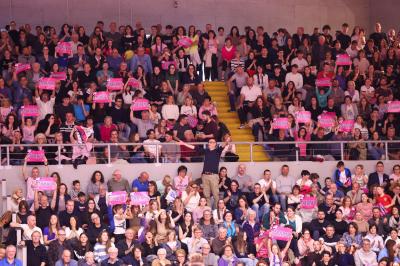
point(194, 187)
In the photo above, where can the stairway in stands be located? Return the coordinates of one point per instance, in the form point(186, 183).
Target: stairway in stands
point(218, 93)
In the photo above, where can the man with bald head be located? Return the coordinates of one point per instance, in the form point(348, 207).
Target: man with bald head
point(118, 183)
point(28, 228)
point(141, 183)
point(245, 181)
point(66, 259)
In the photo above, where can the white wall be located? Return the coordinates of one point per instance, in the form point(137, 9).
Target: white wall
point(269, 13)
point(131, 171)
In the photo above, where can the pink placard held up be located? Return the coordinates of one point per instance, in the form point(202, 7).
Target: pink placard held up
point(45, 184)
point(308, 202)
point(281, 233)
point(101, 97)
point(115, 84)
point(140, 105)
point(394, 107)
point(326, 120)
point(58, 75)
point(140, 198)
point(323, 82)
point(281, 123)
point(36, 156)
point(165, 64)
point(30, 110)
point(343, 60)
point(21, 67)
point(64, 48)
point(47, 84)
point(133, 83)
point(346, 126)
point(303, 116)
point(117, 197)
point(185, 42)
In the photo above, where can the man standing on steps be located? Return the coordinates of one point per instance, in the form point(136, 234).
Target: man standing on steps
point(209, 176)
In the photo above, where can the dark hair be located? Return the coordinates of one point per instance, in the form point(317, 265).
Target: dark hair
point(93, 178)
point(305, 172)
point(182, 168)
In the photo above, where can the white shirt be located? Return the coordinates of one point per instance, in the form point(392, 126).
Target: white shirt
point(27, 233)
point(301, 63)
point(263, 183)
point(170, 111)
point(189, 110)
point(296, 78)
point(250, 93)
point(352, 53)
point(261, 80)
point(193, 201)
point(45, 107)
point(152, 148)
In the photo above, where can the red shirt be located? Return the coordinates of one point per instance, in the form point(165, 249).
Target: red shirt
point(105, 132)
point(384, 200)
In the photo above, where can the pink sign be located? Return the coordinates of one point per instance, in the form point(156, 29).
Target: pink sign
point(21, 67)
point(343, 60)
point(281, 123)
point(303, 116)
point(185, 42)
point(45, 184)
point(394, 107)
point(323, 82)
point(308, 202)
point(101, 97)
point(346, 126)
point(117, 197)
point(36, 156)
point(140, 105)
point(64, 48)
point(115, 84)
point(133, 83)
point(58, 75)
point(30, 110)
point(281, 233)
point(140, 198)
point(165, 64)
point(326, 120)
point(47, 84)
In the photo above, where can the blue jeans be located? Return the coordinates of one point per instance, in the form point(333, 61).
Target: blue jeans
point(282, 201)
point(260, 210)
point(248, 261)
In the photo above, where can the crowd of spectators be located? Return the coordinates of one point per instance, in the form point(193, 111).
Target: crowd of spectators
point(353, 219)
point(268, 78)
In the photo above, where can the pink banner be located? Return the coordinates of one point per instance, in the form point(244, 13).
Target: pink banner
point(281, 123)
point(64, 48)
point(115, 84)
point(323, 82)
point(117, 197)
point(36, 156)
point(326, 120)
point(30, 110)
point(185, 42)
point(101, 97)
point(47, 84)
point(343, 60)
point(308, 202)
point(303, 116)
point(281, 233)
point(165, 64)
point(346, 126)
point(394, 107)
point(140, 198)
point(58, 75)
point(140, 105)
point(21, 67)
point(45, 184)
point(133, 83)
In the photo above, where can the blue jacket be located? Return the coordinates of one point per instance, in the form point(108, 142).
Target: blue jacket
point(337, 175)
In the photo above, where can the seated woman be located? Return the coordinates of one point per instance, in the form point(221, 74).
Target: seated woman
point(170, 111)
point(229, 224)
point(172, 245)
point(199, 210)
point(260, 117)
point(163, 223)
point(241, 210)
point(242, 250)
point(228, 257)
point(352, 237)
point(207, 106)
point(191, 196)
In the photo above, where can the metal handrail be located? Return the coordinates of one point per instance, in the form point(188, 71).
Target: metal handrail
point(158, 154)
